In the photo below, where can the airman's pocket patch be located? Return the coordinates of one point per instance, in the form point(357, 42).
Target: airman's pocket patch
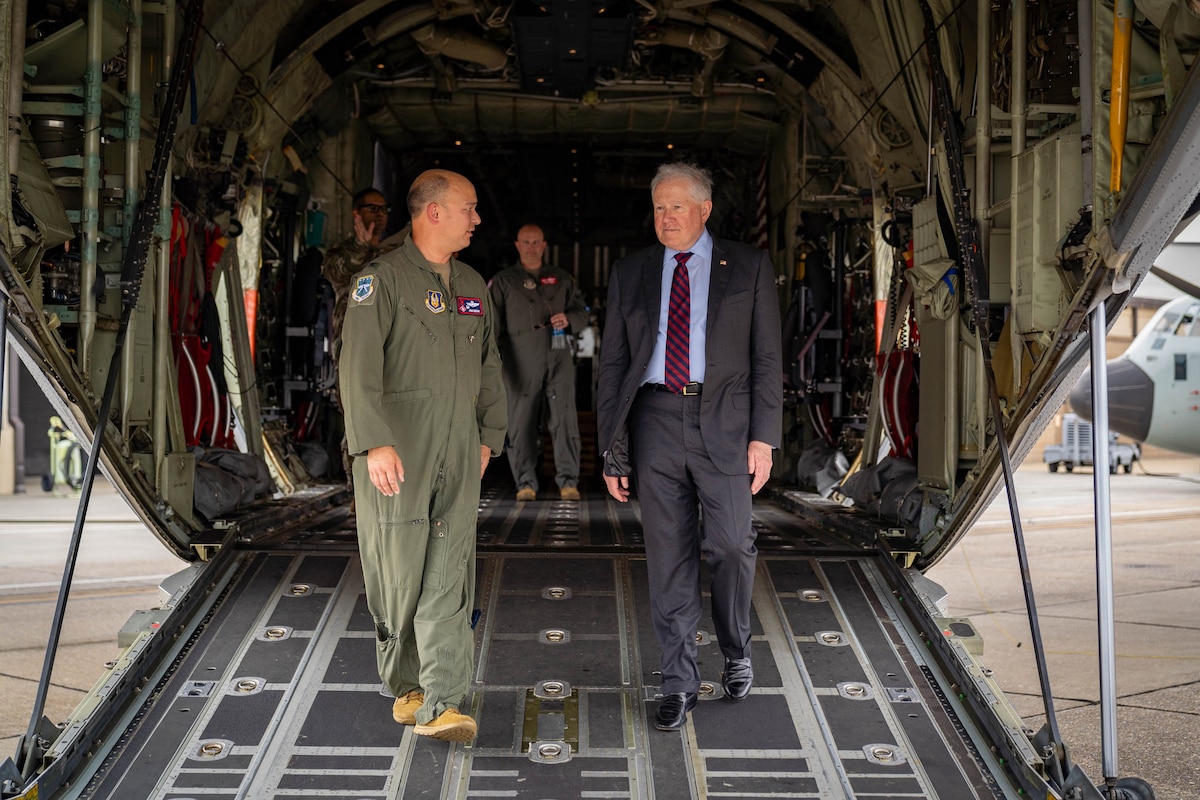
point(364, 289)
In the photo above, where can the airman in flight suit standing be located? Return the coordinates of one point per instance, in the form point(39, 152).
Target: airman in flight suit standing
point(425, 412)
point(536, 306)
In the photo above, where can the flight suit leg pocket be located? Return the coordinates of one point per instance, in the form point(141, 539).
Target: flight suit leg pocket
point(437, 555)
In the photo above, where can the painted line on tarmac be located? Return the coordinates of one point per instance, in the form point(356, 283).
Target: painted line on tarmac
point(1078, 519)
point(96, 582)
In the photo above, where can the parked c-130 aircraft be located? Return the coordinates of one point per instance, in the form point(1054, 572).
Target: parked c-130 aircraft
point(1152, 392)
point(951, 193)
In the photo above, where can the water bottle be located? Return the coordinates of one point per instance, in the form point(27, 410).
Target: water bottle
point(558, 339)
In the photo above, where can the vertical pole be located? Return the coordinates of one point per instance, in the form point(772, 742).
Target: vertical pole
point(1086, 115)
point(1104, 545)
point(162, 284)
point(133, 135)
point(1118, 120)
point(92, 121)
point(983, 126)
point(1018, 105)
point(15, 83)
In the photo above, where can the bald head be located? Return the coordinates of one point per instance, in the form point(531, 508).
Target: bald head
point(442, 204)
point(531, 245)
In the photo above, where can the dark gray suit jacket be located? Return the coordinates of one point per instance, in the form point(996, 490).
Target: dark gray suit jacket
point(742, 400)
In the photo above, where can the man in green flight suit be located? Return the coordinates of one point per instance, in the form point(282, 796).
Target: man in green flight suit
point(536, 306)
point(425, 412)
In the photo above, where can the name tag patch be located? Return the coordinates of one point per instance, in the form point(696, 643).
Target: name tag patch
point(549, 280)
point(470, 305)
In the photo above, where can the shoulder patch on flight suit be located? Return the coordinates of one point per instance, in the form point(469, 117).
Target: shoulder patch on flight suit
point(470, 305)
point(434, 301)
point(364, 288)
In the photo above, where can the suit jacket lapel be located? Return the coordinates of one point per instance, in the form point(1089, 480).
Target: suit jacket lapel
point(718, 284)
point(652, 288)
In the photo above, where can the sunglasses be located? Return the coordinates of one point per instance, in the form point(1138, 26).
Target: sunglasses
point(375, 208)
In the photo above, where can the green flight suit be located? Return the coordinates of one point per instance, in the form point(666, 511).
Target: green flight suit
point(534, 372)
point(420, 371)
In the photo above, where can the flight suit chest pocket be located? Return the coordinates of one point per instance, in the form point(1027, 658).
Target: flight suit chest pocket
point(414, 315)
point(470, 332)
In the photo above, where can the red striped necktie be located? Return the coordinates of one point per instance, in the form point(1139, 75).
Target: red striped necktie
point(679, 327)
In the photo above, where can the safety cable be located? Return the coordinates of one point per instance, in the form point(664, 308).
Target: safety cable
point(878, 97)
point(132, 270)
point(219, 46)
point(971, 254)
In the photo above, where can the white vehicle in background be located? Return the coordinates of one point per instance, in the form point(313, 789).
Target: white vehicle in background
point(1075, 449)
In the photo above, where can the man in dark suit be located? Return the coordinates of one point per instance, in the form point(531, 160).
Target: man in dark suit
point(690, 402)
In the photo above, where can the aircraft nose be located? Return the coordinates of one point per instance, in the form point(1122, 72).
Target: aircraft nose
point(1130, 398)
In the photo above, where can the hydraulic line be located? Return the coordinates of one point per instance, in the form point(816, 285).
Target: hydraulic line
point(976, 284)
point(1118, 106)
point(131, 278)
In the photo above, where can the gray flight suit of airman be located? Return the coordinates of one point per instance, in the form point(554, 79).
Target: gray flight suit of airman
point(533, 369)
point(420, 371)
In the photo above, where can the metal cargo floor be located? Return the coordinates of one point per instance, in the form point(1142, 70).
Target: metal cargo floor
point(277, 695)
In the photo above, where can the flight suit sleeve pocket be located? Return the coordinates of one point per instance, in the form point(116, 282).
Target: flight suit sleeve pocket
point(407, 396)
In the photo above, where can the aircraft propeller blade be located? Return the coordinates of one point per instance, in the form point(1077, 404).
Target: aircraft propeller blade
point(1176, 282)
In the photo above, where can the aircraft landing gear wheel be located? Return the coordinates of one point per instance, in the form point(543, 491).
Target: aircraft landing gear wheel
point(1054, 467)
point(1128, 468)
point(1113, 469)
point(1070, 467)
point(47, 482)
point(1132, 789)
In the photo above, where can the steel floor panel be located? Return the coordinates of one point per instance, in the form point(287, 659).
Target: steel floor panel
point(278, 696)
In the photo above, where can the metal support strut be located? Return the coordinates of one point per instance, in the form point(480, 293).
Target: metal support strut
point(131, 277)
point(976, 283)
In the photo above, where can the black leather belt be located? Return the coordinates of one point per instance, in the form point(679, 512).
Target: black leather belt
point(689, 389)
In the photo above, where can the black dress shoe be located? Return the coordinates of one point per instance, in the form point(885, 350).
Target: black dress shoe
point(737, 678)
point(672, 713)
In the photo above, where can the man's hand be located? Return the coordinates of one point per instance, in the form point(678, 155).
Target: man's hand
point(364, 233)
point(387, 473)
point(485, 456)
point(559, 321)
point(758, 461)
point(618, 487)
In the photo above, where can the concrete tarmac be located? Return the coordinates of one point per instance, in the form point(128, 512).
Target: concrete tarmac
point(1156, 533)
point(1156, 579)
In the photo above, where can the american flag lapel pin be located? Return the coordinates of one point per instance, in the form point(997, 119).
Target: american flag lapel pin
point(724, 263)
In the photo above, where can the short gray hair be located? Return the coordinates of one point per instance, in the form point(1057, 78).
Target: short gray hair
point(429, 187)
point(699, 179)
